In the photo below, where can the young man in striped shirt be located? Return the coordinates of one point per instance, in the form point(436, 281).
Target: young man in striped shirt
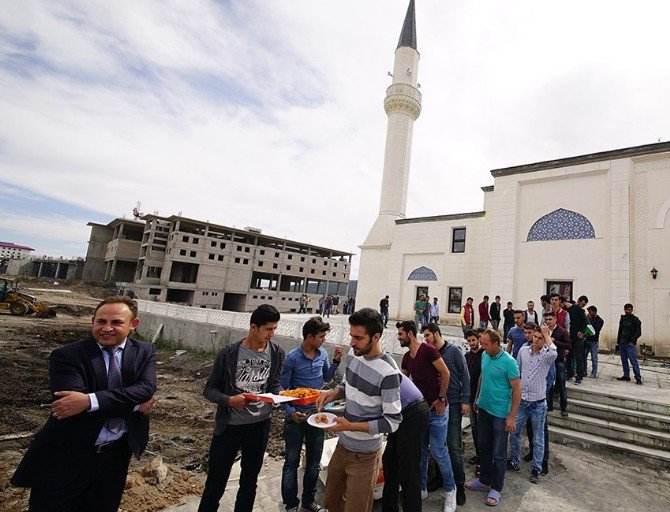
point(371, 386)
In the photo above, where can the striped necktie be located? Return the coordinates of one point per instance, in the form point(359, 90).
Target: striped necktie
point(113, 382)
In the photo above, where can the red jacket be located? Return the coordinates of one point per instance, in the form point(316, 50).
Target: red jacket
point(484, 312)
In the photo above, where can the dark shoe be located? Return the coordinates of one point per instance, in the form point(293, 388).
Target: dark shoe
point(545, 468)
point(513, 467)
point(626, 379)
point(460, 494)
point(529, 456)
point(638, 382)
point(473, 460)
point(578, 382)
point(313, 507)
point(534, 476)
point(564, 414)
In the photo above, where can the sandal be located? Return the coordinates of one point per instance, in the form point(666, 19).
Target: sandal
point(476, 485)
point(494, 497)
point(478, 470)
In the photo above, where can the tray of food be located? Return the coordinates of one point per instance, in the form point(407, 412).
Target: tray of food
point(302, 396)
point(268, 397)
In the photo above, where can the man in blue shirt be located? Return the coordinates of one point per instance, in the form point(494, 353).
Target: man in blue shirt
point(516, 337)
point(305, 367)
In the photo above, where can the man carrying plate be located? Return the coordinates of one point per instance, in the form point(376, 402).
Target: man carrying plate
point(305, 366)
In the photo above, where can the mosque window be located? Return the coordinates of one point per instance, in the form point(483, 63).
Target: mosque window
point(422, 274)
point(458, 240)
point(561, 224)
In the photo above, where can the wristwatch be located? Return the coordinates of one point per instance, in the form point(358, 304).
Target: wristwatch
point(442, 399)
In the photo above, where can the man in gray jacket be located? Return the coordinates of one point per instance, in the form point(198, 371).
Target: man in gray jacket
point(252, 365)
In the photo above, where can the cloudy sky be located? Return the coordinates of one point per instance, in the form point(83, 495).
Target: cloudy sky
point(270, 113)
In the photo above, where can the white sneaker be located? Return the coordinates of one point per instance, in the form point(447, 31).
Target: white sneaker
point(450, 501)
point(424, 494)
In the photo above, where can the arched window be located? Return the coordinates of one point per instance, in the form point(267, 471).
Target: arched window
point(561, 224)
point(422, 274)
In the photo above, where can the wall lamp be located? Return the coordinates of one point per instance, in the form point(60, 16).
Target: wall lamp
point(654, 273)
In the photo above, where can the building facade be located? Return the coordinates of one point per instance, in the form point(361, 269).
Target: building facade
point(198, 263)
point(10, 251)
point(594, 225)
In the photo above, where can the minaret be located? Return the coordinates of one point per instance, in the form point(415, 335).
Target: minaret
point(403, 106)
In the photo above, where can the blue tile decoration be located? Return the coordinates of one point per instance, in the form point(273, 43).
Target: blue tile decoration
point(561, 224)
point(422, 274)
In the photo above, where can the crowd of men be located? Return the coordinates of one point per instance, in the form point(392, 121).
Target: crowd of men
point(103, 389)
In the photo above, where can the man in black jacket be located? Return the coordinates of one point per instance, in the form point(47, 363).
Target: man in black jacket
point(576, 359)
point(252, 365)
point(494, 313)
point(104, 388)
point(630, 329)
point(591, 345)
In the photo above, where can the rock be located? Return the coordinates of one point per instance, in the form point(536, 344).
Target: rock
point(134, 480)
point(156, 470)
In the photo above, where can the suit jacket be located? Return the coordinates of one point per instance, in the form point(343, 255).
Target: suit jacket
point(60, 448)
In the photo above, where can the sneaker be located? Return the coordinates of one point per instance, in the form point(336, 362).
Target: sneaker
point(512, 466)
point(638, 382)
point(450, 501)
point(528, 457)
point(564, 414)
point(291, 509)
point(593, 376)
point(313, 507)
point(424, 494)
point(534, 476)
point(460, 495)
point(545, 468)
point(578, 382)
point(624, 378)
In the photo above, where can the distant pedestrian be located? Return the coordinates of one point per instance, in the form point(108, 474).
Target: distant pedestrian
point(515, 336)
point(419, 306)
point(545, 305)
point(508, 315)
point(484, 317)
point(426, 311)
point(384, 310)
point(467, 315)
point(592, 340)
point(494, 313)
point(561, 339)
point(435, 311)
point(302, 302)
point(530, 315)
point(630, 330)
point(576, 362)
point(562, 317)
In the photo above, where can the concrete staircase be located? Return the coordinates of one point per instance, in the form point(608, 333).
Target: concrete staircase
point(600, 420)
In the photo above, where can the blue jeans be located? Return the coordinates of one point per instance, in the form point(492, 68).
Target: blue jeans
point(495, 324)
point(483, 324)
point(436, 440)
point(492, 438)
point(455, 442)
point(537, 412)
point(385, 316)
point(294, 434)
point(591, 347)
point(627, 352)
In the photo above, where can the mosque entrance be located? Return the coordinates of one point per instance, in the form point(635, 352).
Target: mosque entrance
point(421, 290)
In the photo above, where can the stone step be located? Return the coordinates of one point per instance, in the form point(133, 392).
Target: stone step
point(612, 430)
point(624, 402)
point(642, 419)
point(653, 456)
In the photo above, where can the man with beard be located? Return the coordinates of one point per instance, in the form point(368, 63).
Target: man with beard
point(371, 386)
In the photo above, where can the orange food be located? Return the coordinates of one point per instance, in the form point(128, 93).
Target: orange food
point(300, 392)
point(320, 418)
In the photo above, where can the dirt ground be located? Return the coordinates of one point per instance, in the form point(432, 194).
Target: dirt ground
point(182, 420)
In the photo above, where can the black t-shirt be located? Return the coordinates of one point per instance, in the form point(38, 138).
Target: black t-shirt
point(384, 304)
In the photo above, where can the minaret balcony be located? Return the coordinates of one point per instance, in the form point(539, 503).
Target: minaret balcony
point(403, 99)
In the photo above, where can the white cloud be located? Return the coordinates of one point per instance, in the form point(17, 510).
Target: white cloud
point(270, 113)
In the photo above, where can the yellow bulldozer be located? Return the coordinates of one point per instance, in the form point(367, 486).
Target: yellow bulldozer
point(19, 303)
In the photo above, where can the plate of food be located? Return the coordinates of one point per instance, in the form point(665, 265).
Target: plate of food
point(303, 396)
point(322, 420)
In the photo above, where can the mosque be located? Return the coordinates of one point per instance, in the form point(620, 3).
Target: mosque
point(594, 225)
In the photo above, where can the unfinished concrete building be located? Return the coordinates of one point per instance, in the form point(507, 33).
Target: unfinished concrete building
point(113, 250)
point(198, 263)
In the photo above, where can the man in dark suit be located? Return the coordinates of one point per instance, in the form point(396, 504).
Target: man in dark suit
point(104, 388)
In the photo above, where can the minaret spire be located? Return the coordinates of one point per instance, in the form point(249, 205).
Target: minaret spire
point(408, 34)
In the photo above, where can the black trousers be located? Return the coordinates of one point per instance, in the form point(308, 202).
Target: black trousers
point(402, 458)
point(98, 487)
point(252, 439)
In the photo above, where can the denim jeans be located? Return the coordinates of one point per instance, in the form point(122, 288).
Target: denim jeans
point(252, 439)
point(560, 386)
point(492, 449)
point(537, 412)
point(436, 440)
point(385, 316)
point(591, 347)
point(294, 434)
point(627, 352)
point(495, 324)
point(483, 324)
point(455, 442)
